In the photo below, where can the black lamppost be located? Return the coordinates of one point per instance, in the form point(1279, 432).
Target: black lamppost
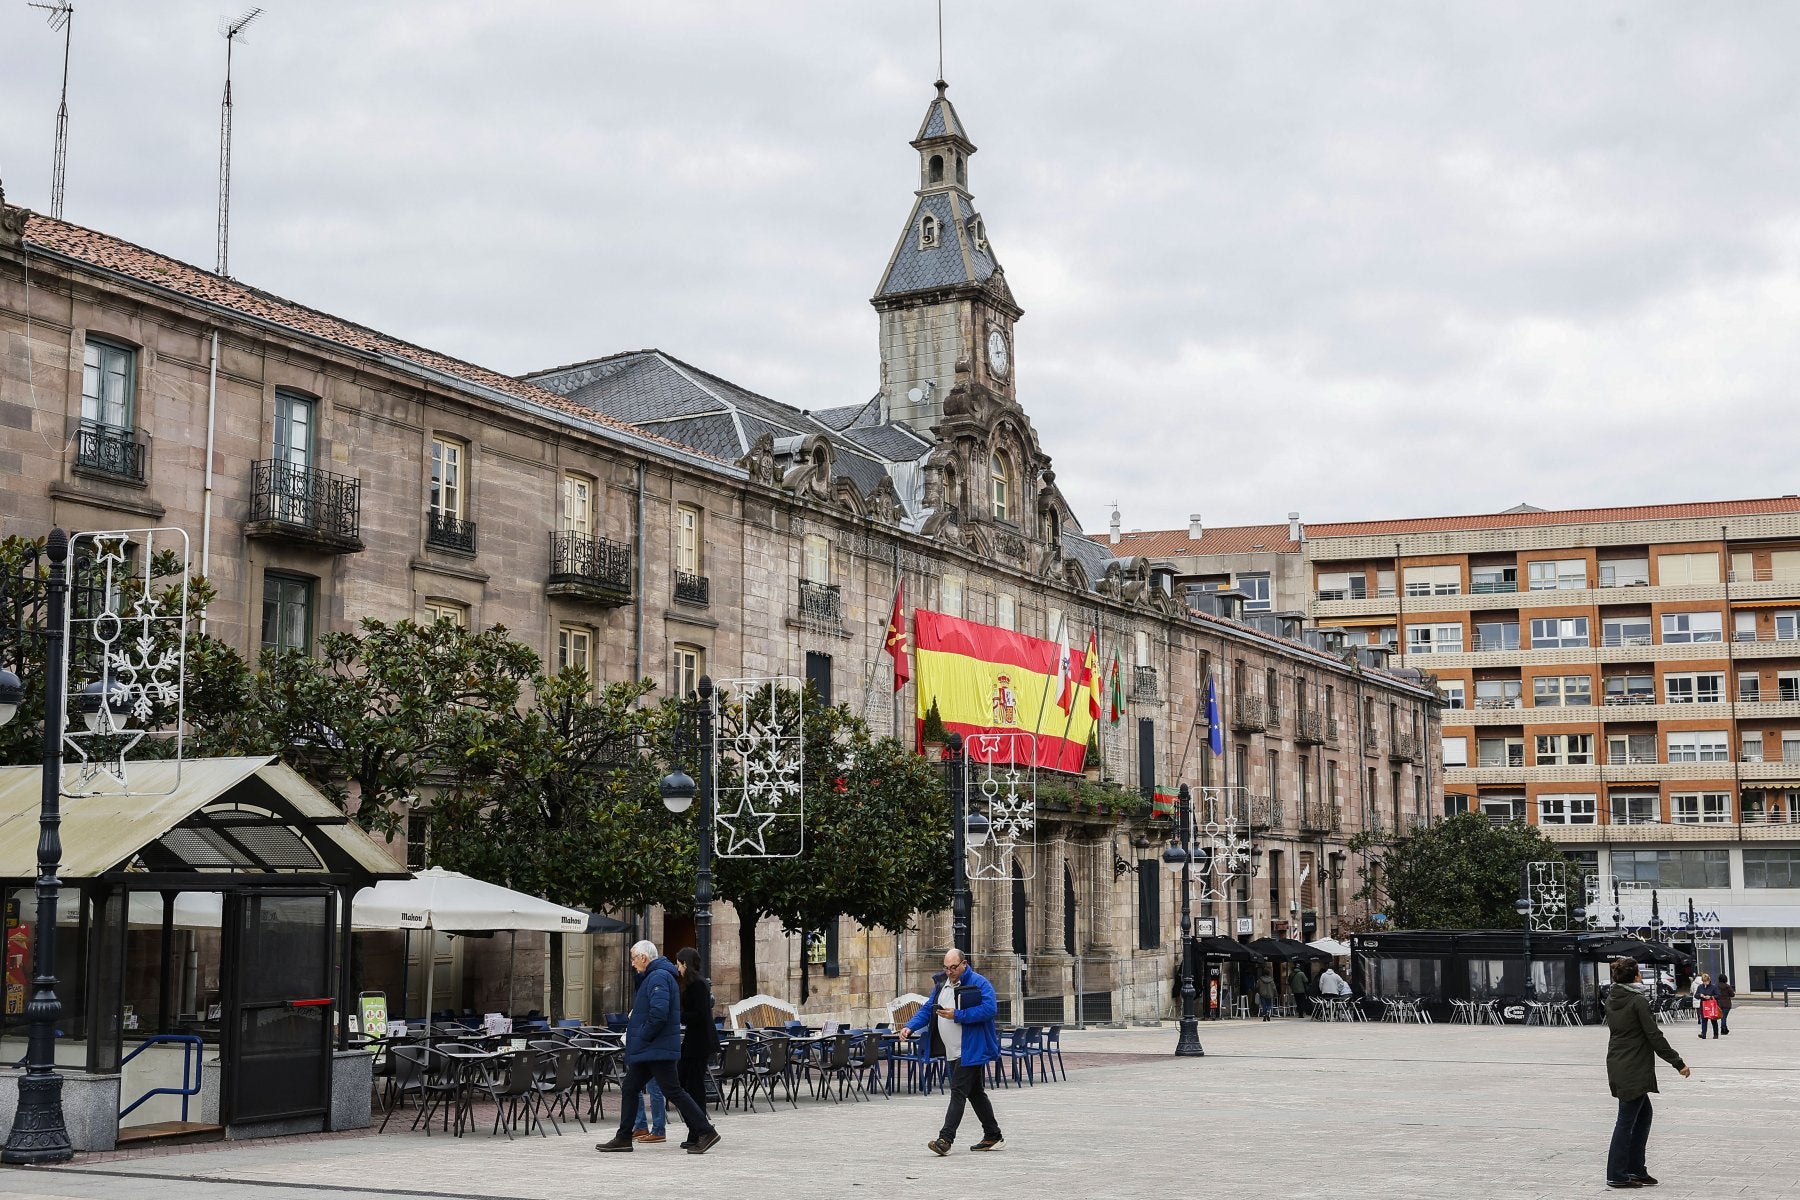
point(678, 791)
point(1180, 856)
point(1655, 936)
point(1523, 907)
point(39, 1134)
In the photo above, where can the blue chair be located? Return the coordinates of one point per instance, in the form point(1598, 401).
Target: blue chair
point(1050, 1051)
point(1018, 1056)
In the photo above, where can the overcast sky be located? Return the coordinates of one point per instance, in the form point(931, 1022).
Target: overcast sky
point(1357, 259)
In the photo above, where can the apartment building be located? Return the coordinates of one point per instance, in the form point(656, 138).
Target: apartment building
point(1627, 679)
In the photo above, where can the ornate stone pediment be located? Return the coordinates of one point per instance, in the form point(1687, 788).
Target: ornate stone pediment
point(759, 461)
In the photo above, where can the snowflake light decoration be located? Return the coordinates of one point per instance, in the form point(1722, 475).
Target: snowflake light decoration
point(1548, 890)
point(1002, 783)
point(761, 792)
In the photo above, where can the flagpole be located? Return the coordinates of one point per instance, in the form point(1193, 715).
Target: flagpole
point(1062, 624)
point(874, 658)
point(1069, 721)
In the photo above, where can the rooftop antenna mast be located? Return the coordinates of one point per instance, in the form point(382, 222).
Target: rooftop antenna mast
point(60, 14)
point(232, 32)
point(940, 6)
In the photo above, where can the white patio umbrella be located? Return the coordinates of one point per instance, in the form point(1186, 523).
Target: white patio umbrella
point(449, 902)
point(1332, 947)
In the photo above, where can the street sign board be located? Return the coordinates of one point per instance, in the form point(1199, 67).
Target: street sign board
point(1206, 927)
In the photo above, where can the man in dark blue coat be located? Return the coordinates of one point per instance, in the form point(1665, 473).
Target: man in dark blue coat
point(960, 1019)
point(652, 1048)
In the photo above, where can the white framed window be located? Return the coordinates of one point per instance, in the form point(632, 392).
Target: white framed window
point(1627, 749)
point(1750, 747)
point(575, 649)
point(1706, 745)
point(1630, 689)
point(1790, 746)
point(1700, 808)
point(1456, 752)
point(1434, 581)
point(950, 595)
point(1787, 625)
point(108, 384)
point(1455, 693)
point(295, 417)
point(578, 504)
point(1558, 632)
point(1625, 631)
point(1560, 691)
point(1500, 752)
point(1342, 585)
point(1140, 644)
point(1498, 693)
point(1625, 572)
point(1565, 749)
point(1555, 575)
point(1787, 685)
point(689, 664)
point(1694, 687)
point(928, 225)
point(447, 455)
point(1692, 627)
point(1384, 584)
point(1687, 568)
point(287, 614)
point(688, 539)
point(453, 611)
point(1000, 480)
point(1488, 580)
point(1635, 808)
point(1574, 808)
point(1434, 639)
point(1749, 687)
point(1496, 635)
point(1257, 596)
point(1005, 612)
point(816, 559)
point(1502, 807)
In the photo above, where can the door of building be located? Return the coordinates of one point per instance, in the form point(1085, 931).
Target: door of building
point(276, 1028)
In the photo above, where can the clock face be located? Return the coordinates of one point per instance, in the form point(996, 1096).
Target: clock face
point(996, 348)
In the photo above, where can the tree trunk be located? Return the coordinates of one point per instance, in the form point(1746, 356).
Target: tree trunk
point(746, 953)
point(555, 954)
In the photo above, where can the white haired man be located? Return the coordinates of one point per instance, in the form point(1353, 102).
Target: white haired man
point(652, 1048)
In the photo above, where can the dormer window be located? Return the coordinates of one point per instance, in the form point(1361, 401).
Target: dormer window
point(1001, 486)
point(962, 171)
point(934, 171)
point(928, 232)
point(978, 233)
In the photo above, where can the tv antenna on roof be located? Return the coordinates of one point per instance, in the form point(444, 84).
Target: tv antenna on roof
point(60, 13)
point(232, 31)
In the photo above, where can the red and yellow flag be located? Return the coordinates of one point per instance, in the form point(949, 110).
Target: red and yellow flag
point(1090, 676)
point(988, 680)
point(896, 644)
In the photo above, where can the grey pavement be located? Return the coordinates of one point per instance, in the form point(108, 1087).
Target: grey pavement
point(1289, 1109)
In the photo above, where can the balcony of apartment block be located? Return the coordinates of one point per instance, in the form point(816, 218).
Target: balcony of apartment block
point(1593, 653)
point(1143, 682)
point(1640, 832)
point(820, 603)
point(1371, 740)
point(1309, 728)
point(1316, 816)
point(589, 568)
point(693, 588)
point(1265, 811)
point(447, 531)
point(1763, 816)
point(1405, 747)
point(1248, 715)
point(1763, 583)
point(1765, 643)
point(1355, 601)
point(110, 452)
point(305, 506)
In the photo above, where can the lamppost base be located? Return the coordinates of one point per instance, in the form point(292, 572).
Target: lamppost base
point(1189, 1045)
point(38, 1133)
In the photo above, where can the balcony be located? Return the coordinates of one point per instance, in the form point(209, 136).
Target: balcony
point(1273, 715)
point(1492, 587)
point(1773, 816)
point(1331, 732)
point(1315, 816)
point(304, 505)
point(1309, 728)
point(820, 603)
point(1264, 812)
point(110, 451)
point(1371, 741)
point(693, 589)
point(1479, 644)
point(1404, 748)
point(1356, 592)
point(1143, 683)
point(1499, 702)
point(1626, 639)
point(1247, 715)
point(588, 568)
point(1632, 698)
point(448, 531)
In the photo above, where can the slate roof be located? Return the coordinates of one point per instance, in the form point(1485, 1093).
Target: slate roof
point(956, 259)
point(1226, 539)
point(941, 119)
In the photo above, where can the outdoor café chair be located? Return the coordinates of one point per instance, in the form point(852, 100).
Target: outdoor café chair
point(832, 1064)
point(775, 1065)
point(558, 1088)
point(510, 1083)
point(736, 1077)
point(408, 1079)
point(1049, 1049)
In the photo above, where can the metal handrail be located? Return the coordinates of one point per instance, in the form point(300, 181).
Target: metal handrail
point(189, 1087)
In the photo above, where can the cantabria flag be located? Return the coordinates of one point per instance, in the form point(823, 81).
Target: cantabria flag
point(988, 680)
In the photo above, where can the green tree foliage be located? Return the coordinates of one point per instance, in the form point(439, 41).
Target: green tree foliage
point(392, 709)
point(876, 846)
point(1463, 873)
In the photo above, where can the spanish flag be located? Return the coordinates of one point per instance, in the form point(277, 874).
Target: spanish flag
point(987, 680)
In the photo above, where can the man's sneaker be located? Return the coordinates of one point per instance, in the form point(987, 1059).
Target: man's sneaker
point(644, 1135)
point(704, 1142)
point(938, 1146)
point(989, 1144)
point(619, 1144)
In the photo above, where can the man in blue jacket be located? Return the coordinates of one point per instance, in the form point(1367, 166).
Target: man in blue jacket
point(960, 1018)
point(652, 1047)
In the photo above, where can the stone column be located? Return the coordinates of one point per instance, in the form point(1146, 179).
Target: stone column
point(1052, 967)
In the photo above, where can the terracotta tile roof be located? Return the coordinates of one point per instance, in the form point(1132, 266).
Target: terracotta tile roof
point(1240, 539)
point(1175, 543)
point(113, 254)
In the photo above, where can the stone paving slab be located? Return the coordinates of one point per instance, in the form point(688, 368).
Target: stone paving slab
point(1288, 1109)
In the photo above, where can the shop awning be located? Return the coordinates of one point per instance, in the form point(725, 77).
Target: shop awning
point(204, 816)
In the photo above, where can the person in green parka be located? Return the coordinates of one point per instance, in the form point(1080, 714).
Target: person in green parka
point(1631, 1071)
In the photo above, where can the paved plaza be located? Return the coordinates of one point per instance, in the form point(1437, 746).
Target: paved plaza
point(1289, 1109)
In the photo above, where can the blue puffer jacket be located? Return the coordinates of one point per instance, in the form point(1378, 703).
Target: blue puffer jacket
point(980, 1040)
point(654, 1034)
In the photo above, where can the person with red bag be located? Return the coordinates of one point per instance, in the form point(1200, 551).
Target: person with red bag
point(1708, 997)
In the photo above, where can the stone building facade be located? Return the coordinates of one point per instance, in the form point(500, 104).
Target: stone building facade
point(641, 517)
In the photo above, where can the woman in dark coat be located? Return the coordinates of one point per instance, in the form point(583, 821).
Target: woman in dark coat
point(1631, 1071)
point(1727, 994)
point(1703, 992)
point(699, 1036)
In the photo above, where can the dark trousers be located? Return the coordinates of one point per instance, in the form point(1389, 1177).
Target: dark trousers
point(968, 1085)
point(637, 1075)
point(1714, 1022)
point(1631, 1134)
point(692, 1073)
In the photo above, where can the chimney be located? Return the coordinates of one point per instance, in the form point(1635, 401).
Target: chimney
point(1195, 529)
point(1296, 531)
point(1115, 527)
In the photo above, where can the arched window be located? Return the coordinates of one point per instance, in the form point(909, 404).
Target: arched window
point(1001, 485)
point(962, 171)
point(934, 171)
point(928, 232)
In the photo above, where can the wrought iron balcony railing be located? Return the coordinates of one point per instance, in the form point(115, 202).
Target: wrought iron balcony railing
point(820, 602)
point(448, 531)
point(589, 567)
point(316, 505)
point(693, 589)
point(1247, 715)
point(110, 450)
point(1404, 748)
point(1309, 728)
point(1143, 683)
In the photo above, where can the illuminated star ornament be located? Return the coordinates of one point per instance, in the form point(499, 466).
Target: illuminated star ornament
point(761, 789)
point(1005, 791)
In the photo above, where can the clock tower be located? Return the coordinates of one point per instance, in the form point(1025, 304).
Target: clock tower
point(946, 313)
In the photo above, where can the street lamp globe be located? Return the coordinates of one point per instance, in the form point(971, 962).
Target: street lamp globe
point(677, 790)
point(1175, 857)
point(1522, 906)
point(976, 828)
point(11, 692)
point(102, 704)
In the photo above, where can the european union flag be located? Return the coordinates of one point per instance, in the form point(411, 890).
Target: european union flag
point(1215, 732)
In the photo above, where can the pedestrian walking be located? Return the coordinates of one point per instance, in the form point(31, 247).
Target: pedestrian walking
point(959, 1019)
point(1727, 994)
point(1265, 993)
point(1706, 999)
point(1631, 1073)
point(1299, 982)
point(652, 1049)
point(699, 1036)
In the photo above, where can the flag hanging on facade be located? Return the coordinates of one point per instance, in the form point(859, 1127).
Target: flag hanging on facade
point(1090, 675)
point(1115, 693)
point(1215, 736)
point(1066, 675)
point(896, 644)
point(988, 680)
